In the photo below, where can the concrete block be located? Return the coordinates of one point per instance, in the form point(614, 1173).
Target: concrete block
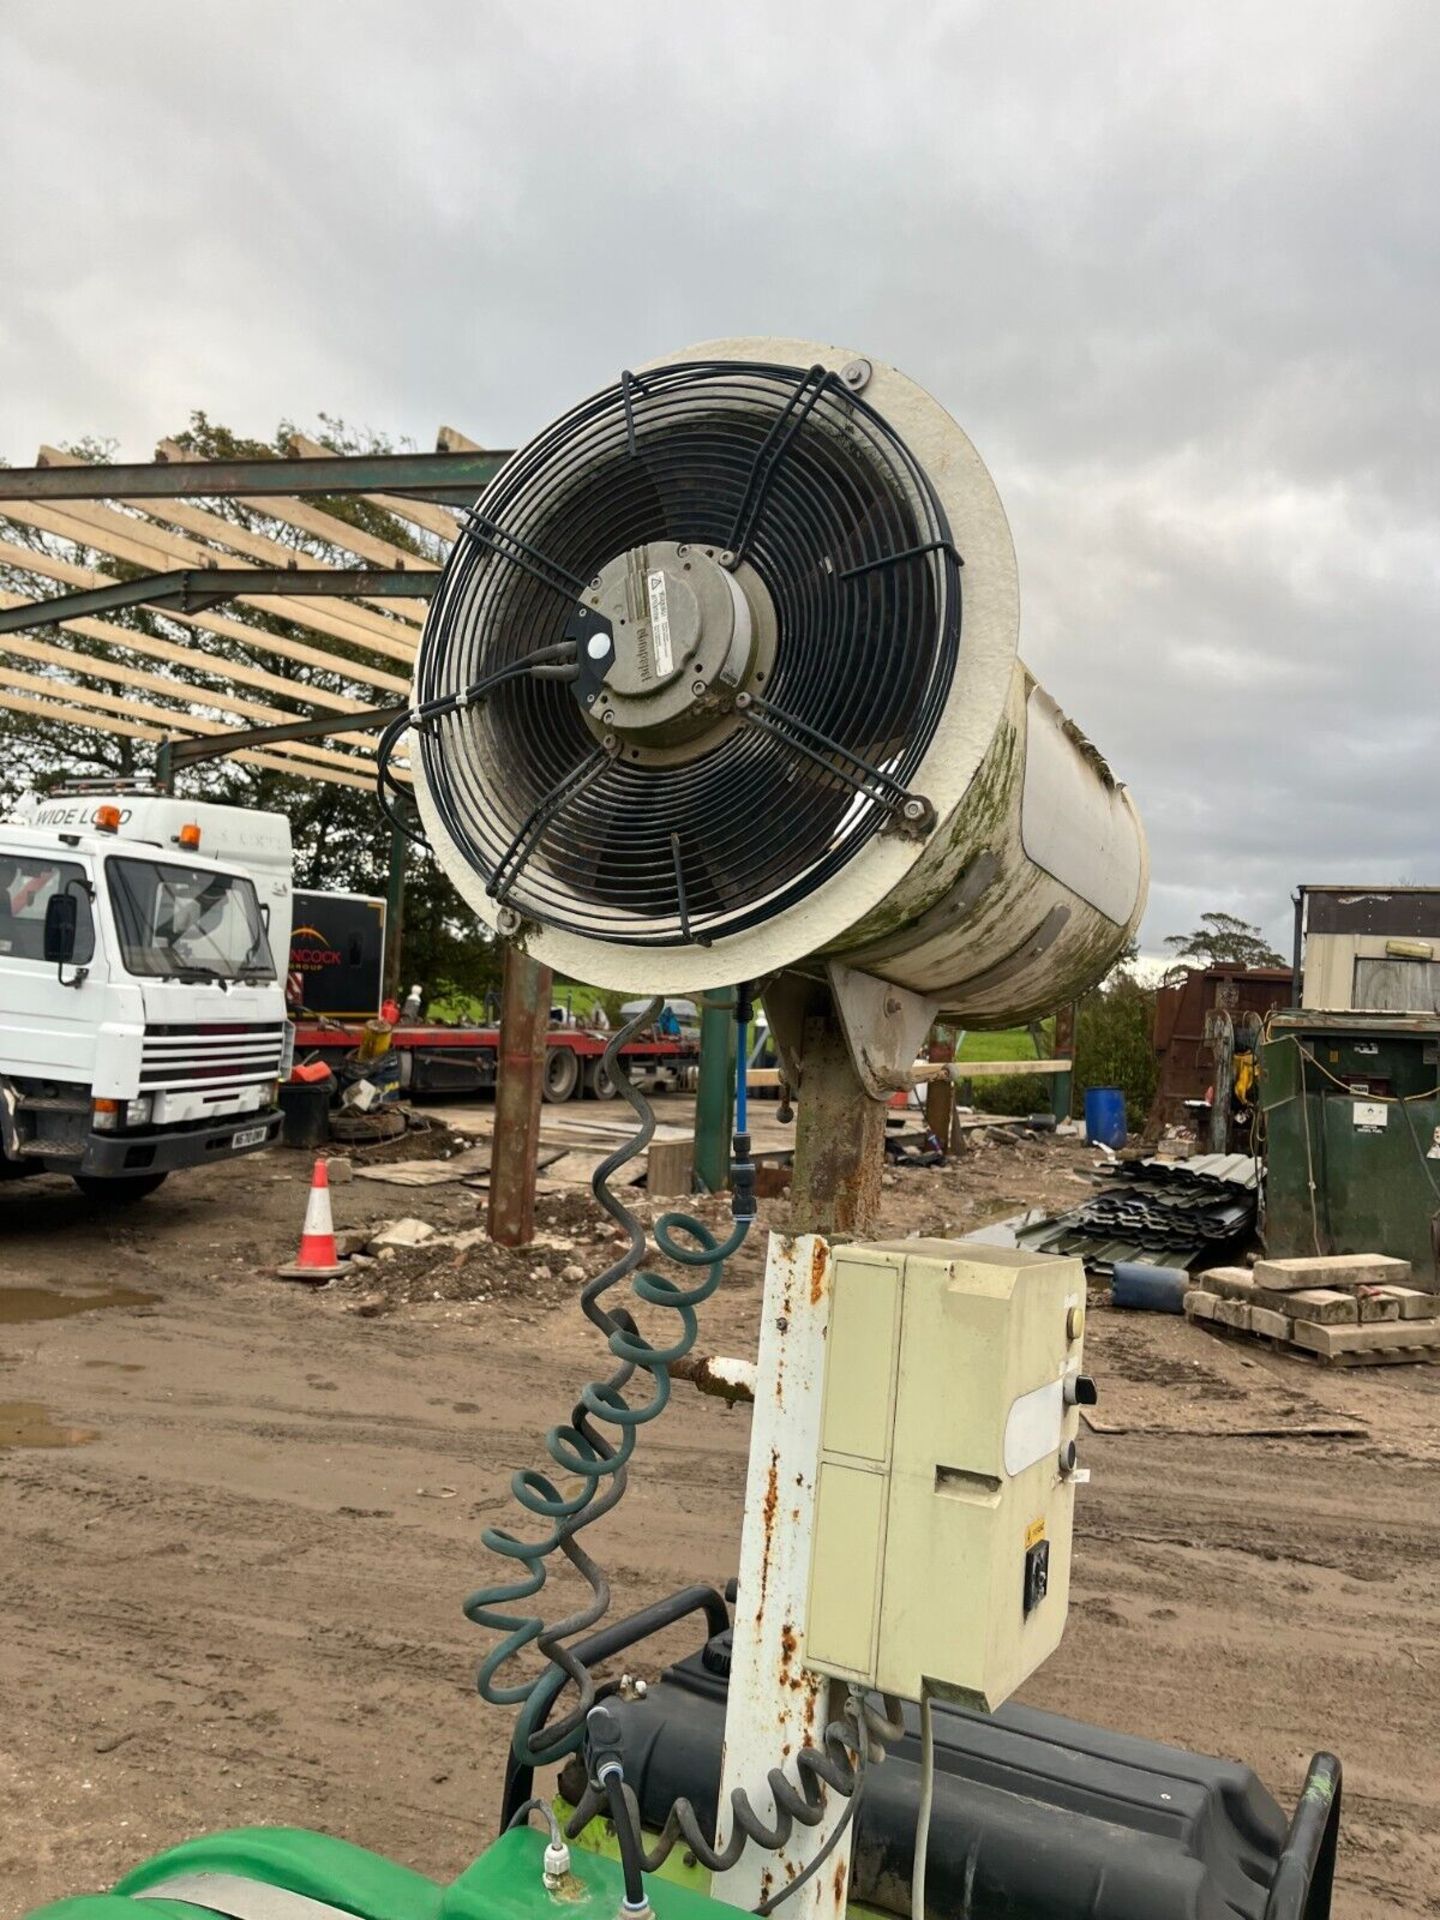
point(1207, 1280)
point(1324, 1306)
point(1374, 1306)
point(1200, 1305)
point(1233, 1313)
point(1332, 1270)
point(407, 1232)
point(1418, 1337)
point(1413, 1304)
point(1230, 1283)
point(1265, 1320)
point(338, 1169)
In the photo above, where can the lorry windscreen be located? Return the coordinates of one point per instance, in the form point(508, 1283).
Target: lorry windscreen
point(182, 923)
point(27, 881)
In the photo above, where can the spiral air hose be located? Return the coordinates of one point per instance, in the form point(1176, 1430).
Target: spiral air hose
point(598, 1461)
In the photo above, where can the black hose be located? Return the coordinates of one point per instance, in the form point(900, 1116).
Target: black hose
point(627, 1839)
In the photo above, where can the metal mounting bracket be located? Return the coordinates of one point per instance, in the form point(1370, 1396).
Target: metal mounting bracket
point(884, 1026)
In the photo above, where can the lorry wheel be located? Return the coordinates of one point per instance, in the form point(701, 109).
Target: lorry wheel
point(120, 1192)
point(599, 1082)
point(562, 1073)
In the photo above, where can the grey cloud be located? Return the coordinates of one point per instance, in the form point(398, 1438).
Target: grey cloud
point(1174, 269)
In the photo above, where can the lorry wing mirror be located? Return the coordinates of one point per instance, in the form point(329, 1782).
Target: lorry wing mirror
point(62, 918)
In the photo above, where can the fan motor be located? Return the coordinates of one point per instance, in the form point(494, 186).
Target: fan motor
point(681, 630)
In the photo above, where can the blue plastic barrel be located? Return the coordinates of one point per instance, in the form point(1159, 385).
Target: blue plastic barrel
point(1149, 1289)
point(1105, 1116)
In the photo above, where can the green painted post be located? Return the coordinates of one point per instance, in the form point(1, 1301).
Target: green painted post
point(1062, 1084)
point(715, 1099)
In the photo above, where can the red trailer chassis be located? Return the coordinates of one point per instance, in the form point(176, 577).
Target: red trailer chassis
point(462, 1059)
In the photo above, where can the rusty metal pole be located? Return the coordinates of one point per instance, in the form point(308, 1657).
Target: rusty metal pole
point(524, 1022)
point(839, 1133)
point(776, 1703)
point(940, 1094)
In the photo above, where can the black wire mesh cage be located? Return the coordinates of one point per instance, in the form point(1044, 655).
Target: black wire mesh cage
point(783, 470)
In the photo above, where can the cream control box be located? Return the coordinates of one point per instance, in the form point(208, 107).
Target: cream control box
point(940, 1558)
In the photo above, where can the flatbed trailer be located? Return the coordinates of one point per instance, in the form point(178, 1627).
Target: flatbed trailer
point(436, 1059)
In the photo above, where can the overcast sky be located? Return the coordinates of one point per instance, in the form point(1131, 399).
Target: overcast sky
point(1174, 268)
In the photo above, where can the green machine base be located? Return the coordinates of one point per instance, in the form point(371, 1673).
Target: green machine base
point(232, 1873)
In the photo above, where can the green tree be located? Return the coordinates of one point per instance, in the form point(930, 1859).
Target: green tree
point(1115, 1042)
point(1222, 939)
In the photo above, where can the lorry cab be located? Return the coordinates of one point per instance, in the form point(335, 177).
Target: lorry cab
point(142, 1020)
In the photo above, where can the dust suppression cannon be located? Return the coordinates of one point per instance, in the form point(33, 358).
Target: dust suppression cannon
point(721, 689)
point(723, 677)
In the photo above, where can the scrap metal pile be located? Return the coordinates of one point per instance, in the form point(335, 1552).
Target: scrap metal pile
point(1164, 1213)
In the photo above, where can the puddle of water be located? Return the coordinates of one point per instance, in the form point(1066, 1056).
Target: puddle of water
point(20, 1306)
point(25, 1423)
point(116, 1366)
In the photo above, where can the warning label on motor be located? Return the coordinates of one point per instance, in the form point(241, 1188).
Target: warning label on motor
point(660, 625)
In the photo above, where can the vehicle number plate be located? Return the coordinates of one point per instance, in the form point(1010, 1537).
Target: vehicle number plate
point(248, 1137)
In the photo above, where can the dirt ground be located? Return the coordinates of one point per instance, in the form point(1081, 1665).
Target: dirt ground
point(237, 1519)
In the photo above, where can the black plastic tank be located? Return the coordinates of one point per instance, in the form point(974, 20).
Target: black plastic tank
point(1036, 1817)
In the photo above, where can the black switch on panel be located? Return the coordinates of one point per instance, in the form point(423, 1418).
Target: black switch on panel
point(1037, 1574)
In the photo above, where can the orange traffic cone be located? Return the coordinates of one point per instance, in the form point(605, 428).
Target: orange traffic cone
point(317, 1259)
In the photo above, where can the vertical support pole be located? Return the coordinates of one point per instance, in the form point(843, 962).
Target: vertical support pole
point(524, 1022)
point(775, 1705)
point(394, 917)
point(715, 1098)
point(164, 767)
point(1221, 1034)
point(940, 1094)
point(839, 1131)
point(1062, 1085)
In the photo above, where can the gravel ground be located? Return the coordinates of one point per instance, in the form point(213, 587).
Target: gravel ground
point(241, 1516)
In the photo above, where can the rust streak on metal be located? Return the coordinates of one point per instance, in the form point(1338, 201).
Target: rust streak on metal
point(772, 1500)
point(819, 1270)
point(789, 1647)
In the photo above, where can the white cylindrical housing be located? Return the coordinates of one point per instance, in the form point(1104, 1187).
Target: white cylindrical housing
point(1032, 878)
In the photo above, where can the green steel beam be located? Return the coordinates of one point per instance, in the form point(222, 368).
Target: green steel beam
point(715, 1097)
point(1062, 1096)
point(190, 751)
point(454, 479)
point(192, 589)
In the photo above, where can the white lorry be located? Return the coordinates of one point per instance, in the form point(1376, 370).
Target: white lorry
point(142, 1013)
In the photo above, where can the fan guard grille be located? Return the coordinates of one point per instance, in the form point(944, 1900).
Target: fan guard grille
point(851, 542)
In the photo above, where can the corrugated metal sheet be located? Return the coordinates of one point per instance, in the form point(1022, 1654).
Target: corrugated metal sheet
point(1166, 1213)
